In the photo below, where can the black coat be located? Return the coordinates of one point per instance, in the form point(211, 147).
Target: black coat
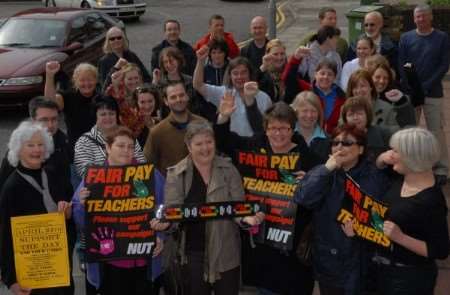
point(19, 198)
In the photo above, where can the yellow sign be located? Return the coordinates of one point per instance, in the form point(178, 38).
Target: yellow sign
point(40, 250)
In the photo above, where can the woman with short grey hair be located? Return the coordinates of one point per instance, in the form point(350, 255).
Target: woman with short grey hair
point(416, 221)
point(30, 190)
point(209, 250)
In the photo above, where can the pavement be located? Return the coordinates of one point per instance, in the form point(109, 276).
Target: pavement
point(297, 18)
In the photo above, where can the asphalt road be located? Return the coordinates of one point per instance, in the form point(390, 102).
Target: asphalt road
point(146, 33)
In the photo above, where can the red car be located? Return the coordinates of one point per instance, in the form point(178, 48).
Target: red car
point(32, 37)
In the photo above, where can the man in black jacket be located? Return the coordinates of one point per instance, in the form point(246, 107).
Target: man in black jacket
point(172, 30)
point(45, 112)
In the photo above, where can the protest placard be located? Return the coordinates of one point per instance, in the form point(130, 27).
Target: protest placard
point(118, 212)
point(366, 212)
point(41, 253)
point(269, 179)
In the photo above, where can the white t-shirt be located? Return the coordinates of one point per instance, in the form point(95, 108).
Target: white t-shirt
point(349, 68)
point(238, 121)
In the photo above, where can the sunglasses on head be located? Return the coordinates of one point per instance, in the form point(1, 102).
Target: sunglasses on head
point(345, 143)
point(115, 38)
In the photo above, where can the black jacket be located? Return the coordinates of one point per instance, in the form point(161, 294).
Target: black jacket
point(19, 198)
point(57, 164)
point(106, 63)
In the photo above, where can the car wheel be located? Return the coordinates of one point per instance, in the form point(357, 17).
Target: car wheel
point(50, 3)
point(85, 4)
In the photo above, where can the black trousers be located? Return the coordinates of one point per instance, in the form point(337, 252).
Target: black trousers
point(407, 280)
point(129, 281)
point(194, 283)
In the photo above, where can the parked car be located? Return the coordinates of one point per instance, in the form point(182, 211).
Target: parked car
point(32, 37)
point(117, 8)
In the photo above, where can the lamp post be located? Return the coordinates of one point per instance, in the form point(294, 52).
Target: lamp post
point(272, 19)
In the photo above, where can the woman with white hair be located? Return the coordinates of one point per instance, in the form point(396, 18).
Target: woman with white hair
point(30, 190)
point(416, 221)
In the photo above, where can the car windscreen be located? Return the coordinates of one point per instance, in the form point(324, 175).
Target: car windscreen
point(32, 33)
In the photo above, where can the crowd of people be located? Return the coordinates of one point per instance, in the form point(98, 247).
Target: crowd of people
point(348, 110)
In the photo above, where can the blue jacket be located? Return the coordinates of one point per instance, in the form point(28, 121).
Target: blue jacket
point(336, 258)
point(93, 271)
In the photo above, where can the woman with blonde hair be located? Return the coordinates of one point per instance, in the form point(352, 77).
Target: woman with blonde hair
point(76, 103)
point(416, 220)
point(310, 121)
point(117, 55)
point(273, 63)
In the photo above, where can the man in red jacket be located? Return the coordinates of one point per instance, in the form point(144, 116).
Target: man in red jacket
point(216, 31)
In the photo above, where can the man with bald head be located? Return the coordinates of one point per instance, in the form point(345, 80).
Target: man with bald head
point(256, 48)
point(373, 26)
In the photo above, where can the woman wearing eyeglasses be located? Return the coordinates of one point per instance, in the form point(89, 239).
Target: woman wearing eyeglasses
point(337, 260)
point(117, 54)
point(271, 270)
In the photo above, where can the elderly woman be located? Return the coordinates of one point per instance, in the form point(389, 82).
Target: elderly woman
point(30, 190)
point(132, 276)
point(238, 80)
point(116, 55)
point(279, 137)
point(269, 76)
point(357, 111)
point(210, 256)
point(337, 259)
point(91, 146)
point(416, 220)
point(309, 122)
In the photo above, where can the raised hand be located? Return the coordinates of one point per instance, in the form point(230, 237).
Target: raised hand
point(121, 63)
point(334, 161)
point(202, 53)
point(116, 78)
point(250, 91)
point(227, 104)
point(393, 95)
point(301, 52)
point(105, 238)
point(52, 67)
point(267, 61)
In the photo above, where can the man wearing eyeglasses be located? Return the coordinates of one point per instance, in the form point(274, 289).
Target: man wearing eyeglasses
point(373, 25)
point(45, 112)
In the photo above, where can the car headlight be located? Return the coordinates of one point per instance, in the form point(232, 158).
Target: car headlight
point(104, 2)
point(21, 81)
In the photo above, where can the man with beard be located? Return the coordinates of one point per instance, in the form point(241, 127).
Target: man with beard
point(373, 24)
point(165, 146)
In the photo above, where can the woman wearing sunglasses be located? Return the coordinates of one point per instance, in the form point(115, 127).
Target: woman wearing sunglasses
point(337, 259)
point(117, 54)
